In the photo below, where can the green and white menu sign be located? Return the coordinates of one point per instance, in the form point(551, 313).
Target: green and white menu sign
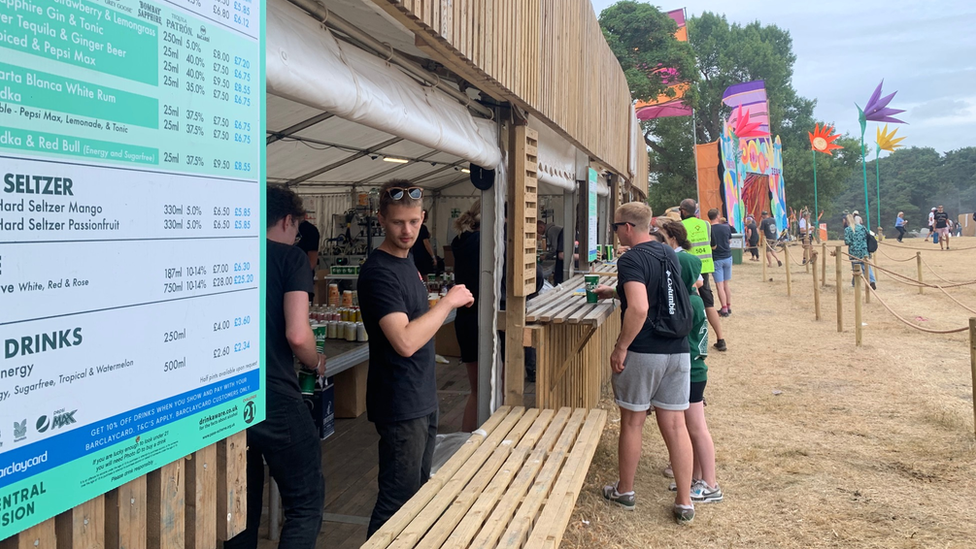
point(131, 241)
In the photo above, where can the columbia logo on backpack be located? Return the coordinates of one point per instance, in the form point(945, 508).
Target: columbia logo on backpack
point(672, 317)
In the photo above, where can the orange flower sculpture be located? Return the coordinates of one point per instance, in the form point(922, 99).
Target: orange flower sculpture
point(822, 139)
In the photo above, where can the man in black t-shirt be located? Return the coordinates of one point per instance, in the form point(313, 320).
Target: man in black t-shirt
point(942, 227)
point(771, 233)
point(287, 439)
point(649, 371)
point(722, 256)
point(401, 388)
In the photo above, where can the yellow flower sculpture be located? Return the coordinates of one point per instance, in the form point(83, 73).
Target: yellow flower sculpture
point(887, 141)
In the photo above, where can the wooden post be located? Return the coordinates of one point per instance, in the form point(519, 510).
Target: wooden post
point(125, 516)
point(201, 498)
point(918, 262)
point(839, 291)
point(823, 265)
point(82, 526)
point(232, 486)
point(972, 361)
point(816, 289)
point(764, 259)
point(166, 494)
point(39, 536)
point(857, 305)
point(789, 278)
point(523, 189)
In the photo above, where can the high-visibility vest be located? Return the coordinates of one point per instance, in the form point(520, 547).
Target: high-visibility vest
point(699, 235)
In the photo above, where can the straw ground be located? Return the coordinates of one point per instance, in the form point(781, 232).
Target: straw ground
point(820, 443)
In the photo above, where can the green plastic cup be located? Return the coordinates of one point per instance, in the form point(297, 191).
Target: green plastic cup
point(592, 281)
point(306, 381)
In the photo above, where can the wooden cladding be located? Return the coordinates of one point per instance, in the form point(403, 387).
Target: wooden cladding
point(191, 503)
point(548, 57)
point(524, 198)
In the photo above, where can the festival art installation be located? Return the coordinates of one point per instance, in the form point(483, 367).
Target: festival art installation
point(876, 110)
point(885, 142)
point(821, 140)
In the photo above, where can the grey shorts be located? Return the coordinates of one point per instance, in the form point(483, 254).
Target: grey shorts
point(661, 381)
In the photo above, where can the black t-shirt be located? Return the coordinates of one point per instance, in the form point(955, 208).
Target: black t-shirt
point(397, 388)
point(768, 226)
point(722, 240)
point(310, 237)
point(287, 271)
point(467, 258)
point(753, 233)
point(941, 220)
point(638, 266)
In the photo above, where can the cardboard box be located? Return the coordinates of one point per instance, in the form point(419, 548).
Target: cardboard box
point(350, 392)
point(321, 405)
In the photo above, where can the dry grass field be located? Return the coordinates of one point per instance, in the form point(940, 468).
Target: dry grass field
point(820, 443)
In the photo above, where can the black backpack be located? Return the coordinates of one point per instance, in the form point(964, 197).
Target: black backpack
point(672, 317)
point(872, 243)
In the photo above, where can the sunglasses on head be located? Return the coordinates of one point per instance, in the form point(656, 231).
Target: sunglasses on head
point(397, 193)
point(621, 224)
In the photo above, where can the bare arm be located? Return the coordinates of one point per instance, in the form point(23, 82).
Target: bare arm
point(634, 319)
point(430, 250)
point(299, 332)
point(407, 337)
point(313, 259)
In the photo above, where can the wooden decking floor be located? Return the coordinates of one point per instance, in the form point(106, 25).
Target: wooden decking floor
point(350, 464)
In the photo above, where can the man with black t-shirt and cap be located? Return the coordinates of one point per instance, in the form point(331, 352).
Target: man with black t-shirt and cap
point(287, 439)
point(941, 219)
point(401, 388)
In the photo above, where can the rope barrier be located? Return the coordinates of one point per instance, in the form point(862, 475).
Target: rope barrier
point(940, 277)
point(928, 249)
point(899, 317)
point(908, 279)
point(893, 259)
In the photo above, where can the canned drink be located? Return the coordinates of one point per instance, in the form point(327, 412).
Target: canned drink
point(359, 315)
point(306, 381)
point(360, 332)
point(333, 329)
point(350, 330)
point(321, 332)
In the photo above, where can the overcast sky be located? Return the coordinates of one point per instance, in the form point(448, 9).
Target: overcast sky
point(926, 51)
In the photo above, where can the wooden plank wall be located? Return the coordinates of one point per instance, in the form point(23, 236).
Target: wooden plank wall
point(579, 383)
point(640, 181)
point(174, 507)
point(548, 57)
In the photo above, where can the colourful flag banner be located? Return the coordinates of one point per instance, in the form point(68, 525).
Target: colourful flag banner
point(666, 105)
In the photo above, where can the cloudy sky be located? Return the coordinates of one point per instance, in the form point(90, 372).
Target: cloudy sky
point(926, 51)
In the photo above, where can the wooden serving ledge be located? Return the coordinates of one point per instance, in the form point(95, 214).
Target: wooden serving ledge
point(514, 483)
point(574, 340)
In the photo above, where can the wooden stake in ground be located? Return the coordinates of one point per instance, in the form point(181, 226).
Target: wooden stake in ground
point(857, 304)
point(867, 293)
point(839, 290)
point(816, 289)
point(823, 265)
point(972, 362)
point(918, 262)
point(789, 279)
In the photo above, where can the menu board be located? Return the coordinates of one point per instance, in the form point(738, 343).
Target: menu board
point(131, 241)
point(591, 188)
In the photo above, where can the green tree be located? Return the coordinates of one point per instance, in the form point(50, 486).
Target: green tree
point(642, 38)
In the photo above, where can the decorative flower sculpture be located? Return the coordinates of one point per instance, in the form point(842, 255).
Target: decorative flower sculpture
point(822, 139)
point(887, 141)
point(876, 110)
point(744, 129)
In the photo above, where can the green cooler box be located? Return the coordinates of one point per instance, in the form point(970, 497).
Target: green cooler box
point(738, 246)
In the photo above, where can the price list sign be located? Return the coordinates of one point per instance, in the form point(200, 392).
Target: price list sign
point(131, 241)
